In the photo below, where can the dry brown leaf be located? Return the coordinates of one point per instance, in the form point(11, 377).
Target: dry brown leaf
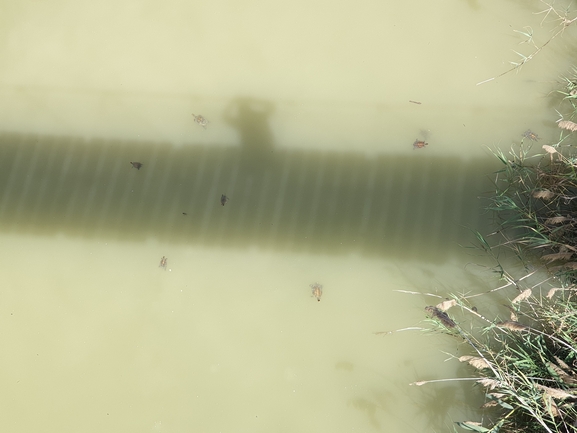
point(569, 380)
point(554, 392)
point(552, 292)
point(512, 326)
point(489, 383)
point(514, 317)
point(557, 256)
point(491, 403)
point(549, 149)
point(566, 378)
point(563, 375)
point(544, 194)
point(562, 364)
point(571, 265)
point(475, 361)
point(521, 297)
point(557, 369)
point(497, 394)
point(551, 405)
point(555, 269)
point(476, 424)
point(557, 220)
point(568, 125)
point(565, 248)
point(444, 306)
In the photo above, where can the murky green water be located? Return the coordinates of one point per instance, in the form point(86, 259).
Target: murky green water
point(310, 136)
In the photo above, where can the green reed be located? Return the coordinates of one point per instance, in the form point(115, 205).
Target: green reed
point(525, 363)
point(524, 358)
point(535, 205)
point(562, 16)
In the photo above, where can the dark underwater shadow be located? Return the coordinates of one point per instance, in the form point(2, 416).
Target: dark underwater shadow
point(410, 206)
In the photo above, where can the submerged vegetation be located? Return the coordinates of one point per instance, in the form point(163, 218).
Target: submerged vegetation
point(524, 356)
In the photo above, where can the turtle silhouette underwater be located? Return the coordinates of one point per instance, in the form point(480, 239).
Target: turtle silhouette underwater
point(419, 144)
point(441, 316)
point(530, 135)
point(137, 165)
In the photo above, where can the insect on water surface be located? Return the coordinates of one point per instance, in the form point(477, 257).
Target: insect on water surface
point(200, 120)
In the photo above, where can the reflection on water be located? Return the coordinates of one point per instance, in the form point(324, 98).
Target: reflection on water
point(370, 408)
point(250, 117)
point(408, 207)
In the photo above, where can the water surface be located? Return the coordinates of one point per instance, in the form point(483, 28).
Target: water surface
point(310, 135)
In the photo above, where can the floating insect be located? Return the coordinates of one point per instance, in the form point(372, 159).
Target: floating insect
point(317, 290)
point(441, 316)
point(530, 135)
point(419, 144)
point(163, 263)
point(223, 199)
point(137, 165)
point(200, 120)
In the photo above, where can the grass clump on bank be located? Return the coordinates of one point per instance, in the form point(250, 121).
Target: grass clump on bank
point(525, 363)
point(536, 205)
point(524, 357)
